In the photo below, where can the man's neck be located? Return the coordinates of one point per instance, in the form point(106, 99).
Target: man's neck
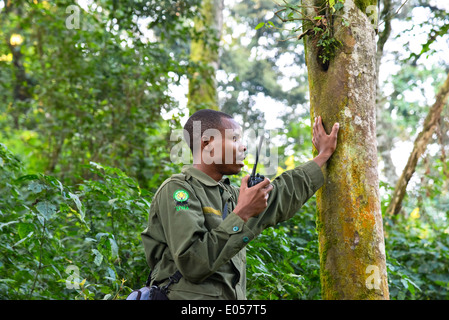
point(209, 170)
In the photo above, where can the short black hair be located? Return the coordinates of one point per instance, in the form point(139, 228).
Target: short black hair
point(210, 119)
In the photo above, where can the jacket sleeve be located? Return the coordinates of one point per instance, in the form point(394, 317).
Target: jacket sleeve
point(290, 191)
point(197, 252)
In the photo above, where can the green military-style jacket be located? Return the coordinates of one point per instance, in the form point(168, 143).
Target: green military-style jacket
point(186, 230)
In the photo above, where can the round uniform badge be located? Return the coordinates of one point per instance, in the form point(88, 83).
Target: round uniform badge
point(181, 195)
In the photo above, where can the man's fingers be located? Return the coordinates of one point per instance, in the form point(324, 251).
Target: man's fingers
point(269, 188)
point(245, 181)
point(335, 129)
point(264, 183)
point(319, 126)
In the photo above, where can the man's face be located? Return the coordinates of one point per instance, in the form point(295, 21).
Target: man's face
point(227, 154)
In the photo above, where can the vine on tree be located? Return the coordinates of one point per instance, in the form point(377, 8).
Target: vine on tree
point(320, 26)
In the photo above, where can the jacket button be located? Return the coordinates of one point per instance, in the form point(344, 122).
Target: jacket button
point(235, 228)
point(245, 239)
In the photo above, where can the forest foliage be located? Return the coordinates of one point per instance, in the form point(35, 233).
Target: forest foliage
point(87, 108)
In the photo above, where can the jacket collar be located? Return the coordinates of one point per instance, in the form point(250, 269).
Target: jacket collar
point(190, 171)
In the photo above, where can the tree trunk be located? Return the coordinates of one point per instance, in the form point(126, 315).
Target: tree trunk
point(349, 218)
point(22, 84)
point(204, 51)
point(419, 147)
point(442, 135)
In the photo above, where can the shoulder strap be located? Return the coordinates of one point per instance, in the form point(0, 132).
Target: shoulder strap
point(177, 176)
point(148, 279)
point(225, 210)
point(172, 279)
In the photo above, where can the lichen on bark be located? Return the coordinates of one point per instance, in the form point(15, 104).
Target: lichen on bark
point(363, 4)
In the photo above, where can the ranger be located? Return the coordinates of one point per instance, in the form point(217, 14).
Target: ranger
point(199, 224)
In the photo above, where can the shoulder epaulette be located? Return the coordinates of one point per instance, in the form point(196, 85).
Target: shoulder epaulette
point(176, 176)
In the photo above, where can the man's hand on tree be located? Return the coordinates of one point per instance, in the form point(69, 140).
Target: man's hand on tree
point(324, 143)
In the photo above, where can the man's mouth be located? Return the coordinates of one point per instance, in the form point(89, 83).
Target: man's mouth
point(240, 160)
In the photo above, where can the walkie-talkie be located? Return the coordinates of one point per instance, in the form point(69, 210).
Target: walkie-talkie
point(256, 178)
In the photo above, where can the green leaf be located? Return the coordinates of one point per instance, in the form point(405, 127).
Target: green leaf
point(24, 229)
point(78, 204)
point(411, 288)
point(55, 182)
point(111, 274)
point(7, 223)
point(7, 280)
point(98, 257)
point(46, 209)
point(36, 187)
point(114, 248)
point(260, 25)
point(28, 177)
point(20, 241)
point(338, 6)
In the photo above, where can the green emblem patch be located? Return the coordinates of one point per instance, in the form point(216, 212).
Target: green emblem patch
point(181, 200)
point(181, 195)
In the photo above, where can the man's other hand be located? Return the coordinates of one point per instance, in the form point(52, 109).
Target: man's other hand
point(252, 201)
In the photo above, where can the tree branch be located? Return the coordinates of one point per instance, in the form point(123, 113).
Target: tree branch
point(419, 147)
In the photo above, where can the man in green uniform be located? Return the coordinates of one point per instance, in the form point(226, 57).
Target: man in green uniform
point(199, 224)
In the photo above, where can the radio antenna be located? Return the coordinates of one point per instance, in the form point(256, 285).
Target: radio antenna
point(257, 155)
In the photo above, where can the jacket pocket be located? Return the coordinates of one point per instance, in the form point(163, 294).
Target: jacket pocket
point(185, 290)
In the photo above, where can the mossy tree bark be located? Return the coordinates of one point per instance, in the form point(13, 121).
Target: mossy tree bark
point(349, 218)
point(204, 51)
